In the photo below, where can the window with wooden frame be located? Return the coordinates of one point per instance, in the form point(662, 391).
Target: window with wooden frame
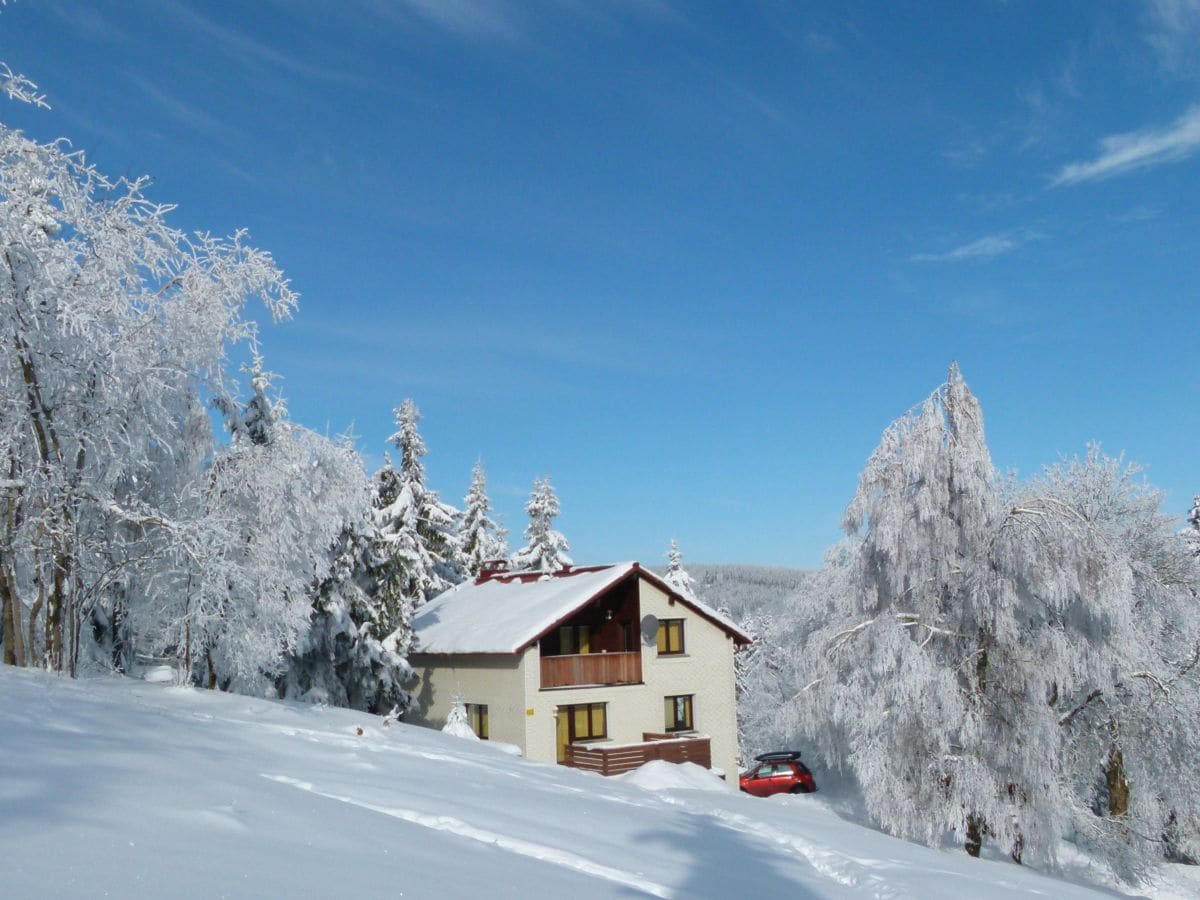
point(670, 637)
point(574, 639)
point(679, 713)
point(477, 716)
point(585, 721)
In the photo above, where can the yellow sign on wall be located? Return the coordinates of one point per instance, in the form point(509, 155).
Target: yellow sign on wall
point(529, 711)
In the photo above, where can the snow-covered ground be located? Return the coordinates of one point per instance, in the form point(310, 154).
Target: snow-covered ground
point(114, 787)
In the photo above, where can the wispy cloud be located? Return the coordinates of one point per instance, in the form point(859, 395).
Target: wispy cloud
point(1132, 150)
point(515, 21)
point(1174, 30)
point(241, 47)
point(470, 19)
point(89, 24)
point(966, 154)
point(191, 116)
point(987, 247)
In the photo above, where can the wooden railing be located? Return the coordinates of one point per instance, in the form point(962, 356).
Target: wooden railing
point(592, 668)
point(614, 760)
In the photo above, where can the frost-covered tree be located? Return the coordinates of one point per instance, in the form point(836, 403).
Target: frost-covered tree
point(458, 723)
point(676, 575)
point(418, 529)
point(116, 326)
point(480, 538)
point(545, 549)
point(968, 626)
point(1129, 718)
point(351, 655)
point(1192, 532)
point(277, 498)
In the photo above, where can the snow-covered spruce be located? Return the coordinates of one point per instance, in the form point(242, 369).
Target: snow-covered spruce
point(457, 722)
point(354, 652)
point(1192, 532)
point(1003, 662)
point(417, 529)
point(545, 549)
point(676, 575)
point(480, 538)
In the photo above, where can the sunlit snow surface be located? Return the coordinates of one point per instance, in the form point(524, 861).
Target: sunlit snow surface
point(120, 788)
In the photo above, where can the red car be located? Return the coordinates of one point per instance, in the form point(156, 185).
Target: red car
point(778, 773)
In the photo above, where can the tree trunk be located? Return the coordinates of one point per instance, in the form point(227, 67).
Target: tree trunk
point(1115, 781)
point(10, 609)
point(55, 603)
point(975, 829)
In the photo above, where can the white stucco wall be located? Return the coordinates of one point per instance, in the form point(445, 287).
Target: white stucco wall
point(492, 679)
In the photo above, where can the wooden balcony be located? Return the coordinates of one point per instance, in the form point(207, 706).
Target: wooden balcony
point(619, 758)
point(591, 668)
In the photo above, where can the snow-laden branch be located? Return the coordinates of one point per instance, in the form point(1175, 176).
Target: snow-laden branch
point(18, 87)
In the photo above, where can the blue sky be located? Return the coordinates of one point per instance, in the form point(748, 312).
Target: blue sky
point(688, 259)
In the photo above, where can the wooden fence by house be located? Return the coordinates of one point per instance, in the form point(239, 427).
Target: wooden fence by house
point(615, 759)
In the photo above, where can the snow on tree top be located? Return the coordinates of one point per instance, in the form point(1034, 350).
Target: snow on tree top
point(507, 612)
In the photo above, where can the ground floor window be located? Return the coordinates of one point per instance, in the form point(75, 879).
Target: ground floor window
point(585, 721)
point(679, 713)
point(477, 715)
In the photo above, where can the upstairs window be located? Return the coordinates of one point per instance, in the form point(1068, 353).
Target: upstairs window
point(679, 713)
point(477, 715)
point(574, 639)
point(670, 637)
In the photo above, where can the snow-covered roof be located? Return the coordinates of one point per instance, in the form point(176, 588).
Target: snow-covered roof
point(506, 613)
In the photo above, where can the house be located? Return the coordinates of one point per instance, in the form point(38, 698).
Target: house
point(600, 667)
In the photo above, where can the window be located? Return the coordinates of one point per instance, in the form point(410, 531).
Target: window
point(679, 713)
point(573, 639)
point(585, 721)
point(670, 637)
point(477, 715)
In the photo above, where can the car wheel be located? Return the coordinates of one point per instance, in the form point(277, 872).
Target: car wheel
point(798, 789)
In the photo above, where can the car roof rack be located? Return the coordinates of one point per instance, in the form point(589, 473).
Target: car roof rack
point(778, 756)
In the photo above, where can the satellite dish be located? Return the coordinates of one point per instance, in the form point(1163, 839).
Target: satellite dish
point(650, 629)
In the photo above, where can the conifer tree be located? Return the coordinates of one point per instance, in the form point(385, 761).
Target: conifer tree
point(480, 538)
point(354, 653)
point(676, 575)
point(416, 528)
point(545, 549)
point(458, 723)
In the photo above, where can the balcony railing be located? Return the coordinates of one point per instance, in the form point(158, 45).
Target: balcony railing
point(591, 668)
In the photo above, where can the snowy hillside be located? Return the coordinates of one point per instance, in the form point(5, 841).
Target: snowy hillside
point(747, 590)
point(122, 788)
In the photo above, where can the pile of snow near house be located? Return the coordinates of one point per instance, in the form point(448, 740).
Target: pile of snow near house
point(120, 787)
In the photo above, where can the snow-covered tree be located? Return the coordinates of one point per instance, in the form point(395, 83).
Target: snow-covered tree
point(278, 497)
point(117, 325)
point(1192, 532)
point(545, 549)
point(480, 538)
point(676, 575)
point(458, 723)
point(968, 626)
point(350, 656)
point(417, 528)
